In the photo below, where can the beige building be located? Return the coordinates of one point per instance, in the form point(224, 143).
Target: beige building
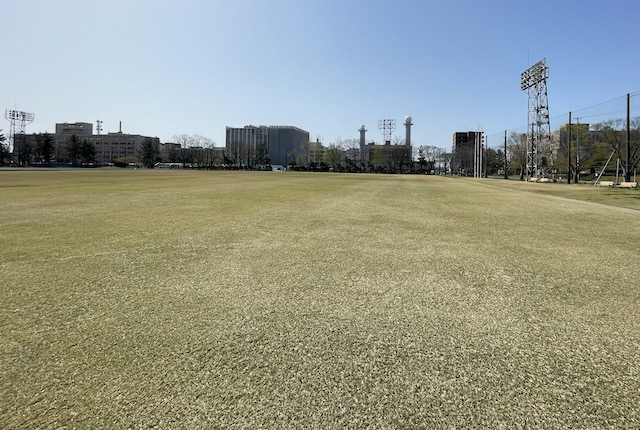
point(316, 153)
point(124, 147)
point(110, 147)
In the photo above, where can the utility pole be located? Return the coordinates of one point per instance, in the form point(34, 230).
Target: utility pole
point(627, 171)
point(505, 155)
point(569, 152)
point(485, 140)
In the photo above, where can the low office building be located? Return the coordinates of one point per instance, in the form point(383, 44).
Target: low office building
point(109, 148)
point(123, 147)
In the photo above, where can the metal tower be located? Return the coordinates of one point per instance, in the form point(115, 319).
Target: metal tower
point(19, 121)
point(534, 81)
point(387, 126)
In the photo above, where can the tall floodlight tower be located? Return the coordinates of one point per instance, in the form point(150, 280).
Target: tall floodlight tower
point(18, 121)
point(407, 125)
point(534, 81)
point(387, 127)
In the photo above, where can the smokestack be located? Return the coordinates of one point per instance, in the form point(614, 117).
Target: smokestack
point(363, 142)
point(408, 124)
point(120, 127)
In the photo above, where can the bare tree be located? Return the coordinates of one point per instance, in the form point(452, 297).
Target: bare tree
point(193, 149)
point(352, 155)
point(184, 140)
point(582, 148)
point(422, 156)
point(333, 154)
point(236, 152)
point(613, 133)
point(207, 144)
point(517, 147)
point(4, 149)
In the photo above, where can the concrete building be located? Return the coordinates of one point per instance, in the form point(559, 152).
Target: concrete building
point(255, 145)
point(169, 152)
point(109, 147)
point(119, 146)
point(387, 158)
point(316, 153)
point(463, 151)
point(287, 145)
point(64, 131)
point(247, 146)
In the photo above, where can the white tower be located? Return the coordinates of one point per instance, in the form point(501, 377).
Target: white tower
point(363, 143)
point(408, 124)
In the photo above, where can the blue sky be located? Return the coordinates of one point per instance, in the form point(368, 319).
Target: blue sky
point(166, 67)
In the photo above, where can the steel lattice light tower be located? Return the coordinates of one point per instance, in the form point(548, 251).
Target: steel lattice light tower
point(19, 121)
point(387, 126)
point(534, 81)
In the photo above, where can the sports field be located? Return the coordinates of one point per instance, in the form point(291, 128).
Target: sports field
point(233, 300)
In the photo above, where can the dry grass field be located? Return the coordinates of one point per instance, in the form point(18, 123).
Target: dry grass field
point(233, 300)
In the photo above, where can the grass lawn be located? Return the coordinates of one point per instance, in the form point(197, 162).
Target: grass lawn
point(179, 299)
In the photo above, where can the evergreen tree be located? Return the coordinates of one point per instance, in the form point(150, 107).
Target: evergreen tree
point(44, 147)
point(150, 153)
point(73, 149)
point(87, 152)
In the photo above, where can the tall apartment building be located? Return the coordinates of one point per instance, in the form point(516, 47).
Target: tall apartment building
point(463, 151)
point(288, 145)
point(247, 146)
point(281, 145)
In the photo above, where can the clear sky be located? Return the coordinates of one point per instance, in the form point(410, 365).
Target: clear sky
point(170, 67)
